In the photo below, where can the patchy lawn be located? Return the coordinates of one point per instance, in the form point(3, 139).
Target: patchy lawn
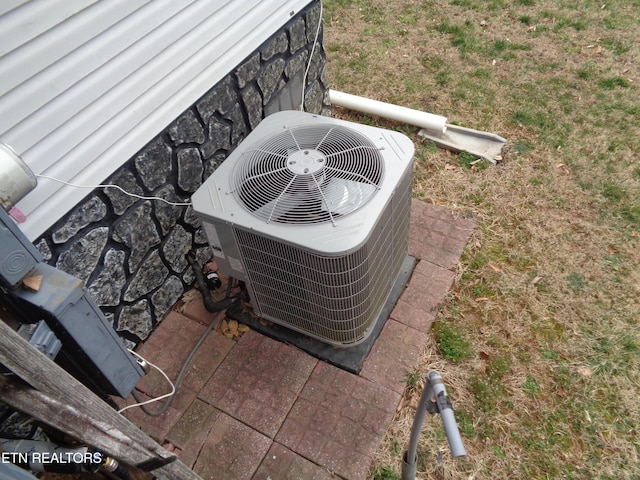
point(539, 341)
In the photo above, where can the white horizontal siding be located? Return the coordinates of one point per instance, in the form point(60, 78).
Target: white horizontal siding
point(85, 88)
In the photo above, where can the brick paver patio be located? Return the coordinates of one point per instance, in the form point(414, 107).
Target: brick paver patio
point(259, 409)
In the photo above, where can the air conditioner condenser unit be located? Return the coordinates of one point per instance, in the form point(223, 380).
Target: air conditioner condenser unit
point(312, 213)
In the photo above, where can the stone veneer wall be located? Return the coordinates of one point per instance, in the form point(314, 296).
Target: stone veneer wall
point(130, 252)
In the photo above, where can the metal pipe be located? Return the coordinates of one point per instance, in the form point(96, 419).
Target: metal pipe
point(425, 120)
point(434, 389)
point(16, 178)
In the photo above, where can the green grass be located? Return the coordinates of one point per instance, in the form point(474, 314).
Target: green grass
point(452, 342)
point(610, 83)
point(385, 473)
point(412, 379)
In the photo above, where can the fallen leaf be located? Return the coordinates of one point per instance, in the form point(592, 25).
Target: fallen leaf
point(484, 356)
point(482, 299)
point(536, 280)
point(475, 162)
point(448, 166)
point(191, 295)
point(233, 326)
point(495, 267)
point(481, 366)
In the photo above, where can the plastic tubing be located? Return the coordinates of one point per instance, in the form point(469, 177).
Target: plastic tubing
point(446, 413)
point(428, 121)
point(410, 458)
point(434, 388)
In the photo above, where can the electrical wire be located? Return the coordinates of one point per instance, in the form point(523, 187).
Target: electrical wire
point(185, 365)
point(181, 204)
point(161, 397)
point(313, 49)
point(108, 185)
point(183, 370)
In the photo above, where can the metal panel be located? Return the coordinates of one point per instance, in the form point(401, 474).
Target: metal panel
point(33, 18)
point(333, 299)
point(97, 83)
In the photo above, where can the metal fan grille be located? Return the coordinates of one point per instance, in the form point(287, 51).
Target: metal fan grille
point(308, 174)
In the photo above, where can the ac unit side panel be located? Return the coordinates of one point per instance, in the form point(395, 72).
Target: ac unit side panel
point(224, 248)
point(334, 299)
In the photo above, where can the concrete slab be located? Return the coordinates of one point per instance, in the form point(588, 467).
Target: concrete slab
point(169, 347)
point(260, 409)
point(192, 430)
point(436, 235)
point(338, 421)
point(280, 463)
point(231, 451)
point(395, 353)
point(156, 427)
point(259, 381)
point(425, 292)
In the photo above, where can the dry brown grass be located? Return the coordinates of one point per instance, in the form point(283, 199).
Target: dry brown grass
point(547, 289)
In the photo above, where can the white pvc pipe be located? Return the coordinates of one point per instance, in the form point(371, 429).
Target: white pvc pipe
point(424, 120)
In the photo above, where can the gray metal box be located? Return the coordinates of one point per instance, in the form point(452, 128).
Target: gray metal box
point(17, 255)
point(89, 341)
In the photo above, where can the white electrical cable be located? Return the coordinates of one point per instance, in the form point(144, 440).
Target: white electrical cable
point(161, 397)
point(180, 204)
point(141, 197)
point(313, 49)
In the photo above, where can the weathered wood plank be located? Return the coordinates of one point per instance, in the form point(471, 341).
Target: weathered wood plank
point(61, 401)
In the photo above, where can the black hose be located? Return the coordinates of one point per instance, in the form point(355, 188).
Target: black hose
point(211, 306)
point(183, 370)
